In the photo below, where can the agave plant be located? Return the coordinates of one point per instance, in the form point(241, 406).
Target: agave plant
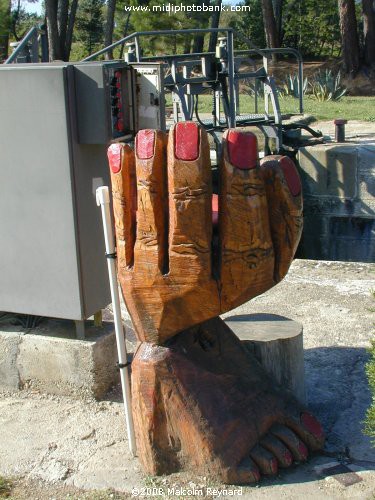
point(326, 86)
point(291, 86)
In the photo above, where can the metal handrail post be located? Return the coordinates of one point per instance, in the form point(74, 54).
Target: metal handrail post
point(231, 83)
point(34, 48)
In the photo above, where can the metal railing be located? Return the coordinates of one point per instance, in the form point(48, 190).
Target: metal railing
point(283, 51)
point(265, 53)
point(28, 47)
point(229, 35)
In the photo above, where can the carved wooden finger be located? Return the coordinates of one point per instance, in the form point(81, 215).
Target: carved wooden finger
point(151, 252)
point(190, 195)
point(246, 251)
point(284, 195)
point(124, 195)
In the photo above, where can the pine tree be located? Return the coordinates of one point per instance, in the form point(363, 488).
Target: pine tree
point(90, 24)
point(368, 8)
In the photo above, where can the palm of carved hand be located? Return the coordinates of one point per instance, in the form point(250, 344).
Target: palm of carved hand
point(175, 267)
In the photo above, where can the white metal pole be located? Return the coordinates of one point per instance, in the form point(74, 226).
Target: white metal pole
point(102, 200)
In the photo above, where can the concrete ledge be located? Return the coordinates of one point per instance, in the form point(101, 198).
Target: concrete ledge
point(57, 365)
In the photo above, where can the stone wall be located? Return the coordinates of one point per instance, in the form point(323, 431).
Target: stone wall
point(339, 202)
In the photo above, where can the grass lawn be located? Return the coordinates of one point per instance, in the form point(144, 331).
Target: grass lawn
point(348, 107)
point(351, 108)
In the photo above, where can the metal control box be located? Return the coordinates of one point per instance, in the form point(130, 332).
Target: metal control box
point(56, 121)
point(150, 95)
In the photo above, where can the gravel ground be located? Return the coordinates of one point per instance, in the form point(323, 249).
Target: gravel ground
point(57, 447)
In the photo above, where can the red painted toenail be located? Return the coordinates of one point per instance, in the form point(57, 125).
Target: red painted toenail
point(186, 146)
point(312, 425)
point(242, 149)
point(303, 451)
point(288, 457)
point(274, 466)
point(114, 157)
point(145, 144)
point(291, 175)
point(256, 475)
point(215, 209)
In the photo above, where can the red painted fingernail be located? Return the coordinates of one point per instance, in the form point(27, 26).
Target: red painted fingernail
point(312, 425)
point(288, 457)
point(145, 141)
point(242, 149)
point(215, 209)
point(186, 141)
point(291, 175)
point(303, 451)
point(114, 157)
point(274, 466)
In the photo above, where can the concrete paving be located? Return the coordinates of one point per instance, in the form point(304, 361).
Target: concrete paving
point(82, 443)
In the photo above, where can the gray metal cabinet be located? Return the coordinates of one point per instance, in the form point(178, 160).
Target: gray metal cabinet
point(55, 125)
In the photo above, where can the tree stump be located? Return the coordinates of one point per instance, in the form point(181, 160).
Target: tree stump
point(277, 343)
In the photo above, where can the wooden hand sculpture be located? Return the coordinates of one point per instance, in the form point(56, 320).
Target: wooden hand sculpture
point(200, 400)
point(175, 271)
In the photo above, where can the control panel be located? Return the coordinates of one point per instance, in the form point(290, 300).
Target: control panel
point(105, 102)
point(115, 99)
point(120, 90)
point(150, 95)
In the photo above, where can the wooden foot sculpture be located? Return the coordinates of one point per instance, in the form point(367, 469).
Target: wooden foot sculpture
point(200, 400)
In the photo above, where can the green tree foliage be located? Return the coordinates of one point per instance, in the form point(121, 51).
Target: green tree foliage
point(4, 28)
point(22, 21)
point(89, 29)
point(312, 26)
point(163, 20)
point(250, 24)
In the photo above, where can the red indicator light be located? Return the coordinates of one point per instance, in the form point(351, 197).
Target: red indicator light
point(120, 125)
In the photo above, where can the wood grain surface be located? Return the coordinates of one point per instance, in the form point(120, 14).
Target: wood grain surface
point(204, 403)
point(175, 268)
